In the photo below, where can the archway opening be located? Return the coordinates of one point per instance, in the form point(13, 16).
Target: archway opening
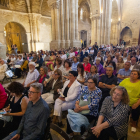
point(126, 36)
point(84, 24)
point(15, 34)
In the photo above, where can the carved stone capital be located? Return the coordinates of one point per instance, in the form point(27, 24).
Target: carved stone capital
point(54, 4)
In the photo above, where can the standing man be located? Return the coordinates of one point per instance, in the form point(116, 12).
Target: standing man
point(95, 49)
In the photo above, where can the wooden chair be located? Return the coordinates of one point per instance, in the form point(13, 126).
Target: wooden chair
point(59, 131)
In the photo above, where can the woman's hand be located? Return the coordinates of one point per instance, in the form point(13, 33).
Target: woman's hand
point(6, 109)
point(7, 114)
point(96, 131)
point(16, 137)
point(45, 83)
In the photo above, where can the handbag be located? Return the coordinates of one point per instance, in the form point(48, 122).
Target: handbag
point(6, 118)
point(83, 102)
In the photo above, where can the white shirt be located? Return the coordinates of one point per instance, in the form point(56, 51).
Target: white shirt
point(3, 68)
point(80, 78)
point(131, 67)
point(91, 51)
point(60, 68)
point(43, 56)
point(31, 77)
point(72, 55)
point(13, 59)
point(64, 56)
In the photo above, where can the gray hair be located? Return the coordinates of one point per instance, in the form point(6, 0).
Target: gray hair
point(128, 62)
point(45, 69)
point(37, 86)
point(110, 67)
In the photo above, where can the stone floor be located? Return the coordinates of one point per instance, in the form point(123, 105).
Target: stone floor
point(56, 136)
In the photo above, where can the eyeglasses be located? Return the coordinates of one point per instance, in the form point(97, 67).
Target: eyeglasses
point(55, 74)
point(31, 92)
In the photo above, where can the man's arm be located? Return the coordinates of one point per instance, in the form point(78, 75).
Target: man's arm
point(21, 125)
point(41, 124)
point(109, 86)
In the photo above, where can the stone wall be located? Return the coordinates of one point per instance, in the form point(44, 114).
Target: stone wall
point(44, 34)
point(131, 18)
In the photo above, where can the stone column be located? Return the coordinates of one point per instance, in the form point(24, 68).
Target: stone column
point(33, 24)
point(29, 41)
point(53, 24)
point(72, 19)
point(119, 31)
point(98, 31)
point(62, 25)
point(54, 4)
point(67, 25)
point(76, 19)
point(93, 31)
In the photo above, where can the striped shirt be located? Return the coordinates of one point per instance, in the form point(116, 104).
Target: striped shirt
point(95, 96)
point(117, 118)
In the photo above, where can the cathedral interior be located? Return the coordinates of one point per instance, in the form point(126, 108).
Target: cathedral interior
point(43, 24)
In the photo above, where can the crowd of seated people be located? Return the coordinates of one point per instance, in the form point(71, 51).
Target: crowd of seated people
point(82, 81)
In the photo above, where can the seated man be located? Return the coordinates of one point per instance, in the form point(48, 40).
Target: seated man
point(125, 72)
point(3, 68)
point(134, 64)
point(35, 118)
point(31, 76)
point(107, 82)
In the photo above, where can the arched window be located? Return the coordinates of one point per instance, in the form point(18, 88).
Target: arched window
point(81, 14)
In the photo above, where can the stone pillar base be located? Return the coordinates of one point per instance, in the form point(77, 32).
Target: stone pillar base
point(75, 43)
point(62, 44)
point(67, 44)
point(55, 45)
point(2, 51)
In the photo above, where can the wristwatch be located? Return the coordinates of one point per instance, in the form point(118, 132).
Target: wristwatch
point(104, 84)
point(123, 76)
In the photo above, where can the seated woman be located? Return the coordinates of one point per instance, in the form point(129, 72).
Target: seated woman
point(39, 61)
point(132, 86)
point(23, 67)
point(70, 91)
point(113, 118)
point(91, 93)
point(3, 69)
point(93, 73)
point(51, 93)
point(67, 68)
point(86, 65)
point(81, 73)
point(3, 97)
point(58, 62)
point(43, 76)
point(51, 61)
point(119, 64)
point(16, 109)
point(74, 64)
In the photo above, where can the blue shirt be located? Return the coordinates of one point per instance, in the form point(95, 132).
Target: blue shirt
point(123, 72)
point(34, 120)
point(95, 99)
point(74, 66)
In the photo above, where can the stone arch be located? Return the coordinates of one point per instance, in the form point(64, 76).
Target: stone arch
point(15, 33)
point(85, 24)
point(126, 35)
